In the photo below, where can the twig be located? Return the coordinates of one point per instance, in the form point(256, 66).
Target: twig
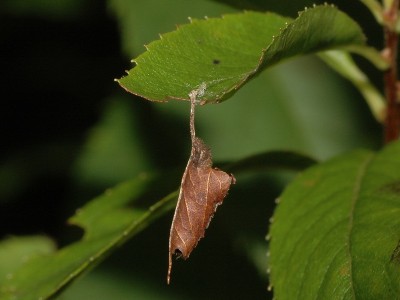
point(392, 122)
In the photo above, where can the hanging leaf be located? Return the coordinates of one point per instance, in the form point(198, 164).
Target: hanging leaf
point(202, 190)
point(336, 230)
point(224, 53)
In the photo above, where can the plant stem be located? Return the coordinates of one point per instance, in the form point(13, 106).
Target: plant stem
point(392, 122)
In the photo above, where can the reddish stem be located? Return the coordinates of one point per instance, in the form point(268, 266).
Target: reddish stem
point(392, 121)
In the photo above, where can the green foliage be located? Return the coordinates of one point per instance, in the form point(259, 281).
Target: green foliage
point(205, 54)
point(335, 232)
point(210, 55)
point(336, 228)
point(112, 151)
point(107, 221)
point(343, 63)
point(15, 252)
point(286, 110)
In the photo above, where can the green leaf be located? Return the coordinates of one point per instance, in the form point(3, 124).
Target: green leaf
point(286, 108)
point(218, 52)
point(342, 63)
point(107, 222)
point(218, 55)
point(376, 9)
point(336, 229)
point(113, 151)
point(16, 251)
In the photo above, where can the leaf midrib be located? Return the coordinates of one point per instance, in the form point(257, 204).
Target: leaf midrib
point(354, 201)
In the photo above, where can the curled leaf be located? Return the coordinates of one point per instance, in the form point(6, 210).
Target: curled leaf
point(203, 188)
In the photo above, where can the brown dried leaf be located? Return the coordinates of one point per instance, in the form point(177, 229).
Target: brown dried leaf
point(203, 188)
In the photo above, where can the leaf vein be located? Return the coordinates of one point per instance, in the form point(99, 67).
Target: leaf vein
point(356, 196)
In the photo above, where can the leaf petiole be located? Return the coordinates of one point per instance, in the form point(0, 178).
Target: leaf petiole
point(376, 9)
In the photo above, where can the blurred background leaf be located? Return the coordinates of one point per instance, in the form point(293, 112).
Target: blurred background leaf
point(113, 149)
point(106, 222)
point(14, 252)
point(57, 122)
point(56, 10)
